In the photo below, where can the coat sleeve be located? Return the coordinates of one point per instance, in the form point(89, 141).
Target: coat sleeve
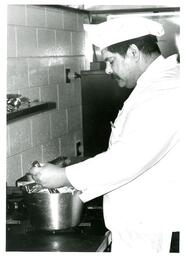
point(150, 131)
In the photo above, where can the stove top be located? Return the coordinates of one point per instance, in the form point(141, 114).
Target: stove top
point(21, 236)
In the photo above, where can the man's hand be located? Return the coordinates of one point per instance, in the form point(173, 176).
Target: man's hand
point(50, 176)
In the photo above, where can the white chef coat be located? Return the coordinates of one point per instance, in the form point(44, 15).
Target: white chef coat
point(140, 174)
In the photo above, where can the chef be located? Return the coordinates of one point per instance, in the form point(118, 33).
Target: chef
point(140, 175)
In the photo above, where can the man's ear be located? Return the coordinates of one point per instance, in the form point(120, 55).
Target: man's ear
point(133, 52)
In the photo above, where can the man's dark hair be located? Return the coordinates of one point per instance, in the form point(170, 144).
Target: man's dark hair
point(147, 44)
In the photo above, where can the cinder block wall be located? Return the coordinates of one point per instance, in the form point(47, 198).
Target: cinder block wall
point(42, 42)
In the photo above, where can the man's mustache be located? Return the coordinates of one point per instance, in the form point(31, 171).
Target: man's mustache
point(114, 76)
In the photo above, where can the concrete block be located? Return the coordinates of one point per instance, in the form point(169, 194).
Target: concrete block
point(63, 43)
point(11, 43)
point(16, 14)
point(38, 72)
point(46, 42)
point(58, 123)
point(81, 19)
point(35, 16)
point(30, 155)
point(54, 19)
point(78, 43)
point(17, 73)
point(49, 93)
point(50, 150)
point(70, 20)
point(20, 136)
point(7, 141)
point(75, 63)
point(67, 145)
point(56, 71)
point(66, 94)
point(26, 42)
point(31, 93)
point(14, 170)
point(74, 118)
point(40, 128)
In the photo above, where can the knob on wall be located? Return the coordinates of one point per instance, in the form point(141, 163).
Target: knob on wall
point(70, 75)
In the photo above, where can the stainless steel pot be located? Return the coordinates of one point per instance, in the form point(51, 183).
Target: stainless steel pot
point(54, 211)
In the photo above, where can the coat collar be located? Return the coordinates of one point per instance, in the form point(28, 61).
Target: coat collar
point(154, 77)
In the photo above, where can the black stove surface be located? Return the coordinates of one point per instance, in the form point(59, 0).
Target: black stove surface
point(60, 241)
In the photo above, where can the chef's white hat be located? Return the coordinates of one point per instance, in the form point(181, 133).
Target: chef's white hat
point(121, 29)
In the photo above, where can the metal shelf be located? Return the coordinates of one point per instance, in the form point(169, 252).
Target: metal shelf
point(34, 108)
